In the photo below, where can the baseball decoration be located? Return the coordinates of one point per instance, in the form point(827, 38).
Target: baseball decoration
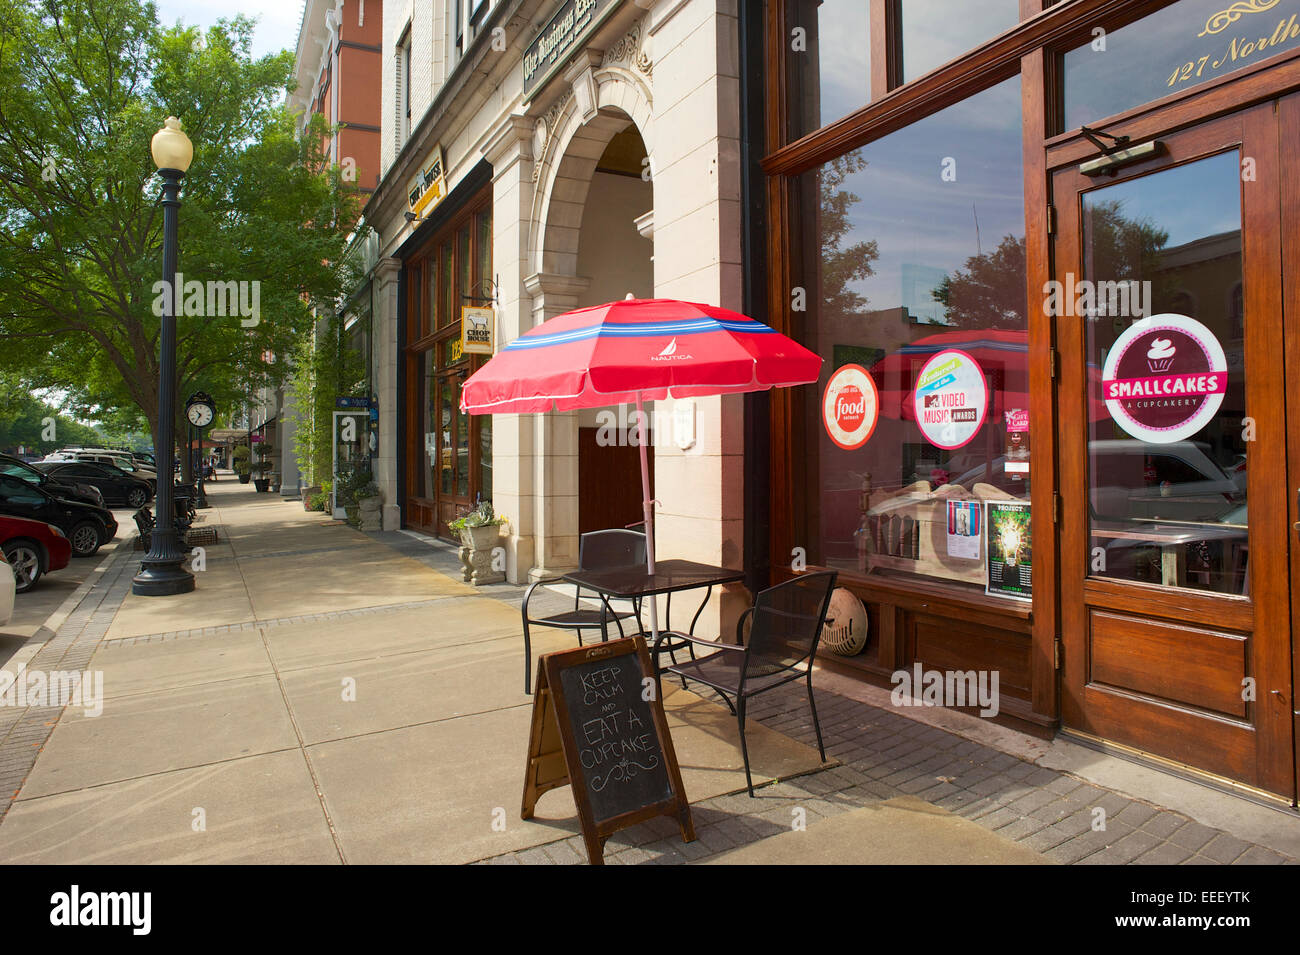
point(846, 634)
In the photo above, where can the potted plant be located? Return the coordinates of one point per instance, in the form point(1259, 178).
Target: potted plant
point(480, 535)
point(262, 466)
point(243, 469)
point(319, 499)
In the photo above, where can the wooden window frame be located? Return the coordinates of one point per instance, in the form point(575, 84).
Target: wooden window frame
point(420, 302)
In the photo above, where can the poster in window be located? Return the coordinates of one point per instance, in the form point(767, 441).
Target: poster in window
point(1016, 462)
point(1008, 539)
point(965, 529)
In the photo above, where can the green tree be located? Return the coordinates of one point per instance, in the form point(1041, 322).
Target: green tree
point(324, 367)
point(84, 84)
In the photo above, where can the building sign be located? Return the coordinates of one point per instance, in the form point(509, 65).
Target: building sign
point(1009, 542)
point(343, 402)
point(429, 186)
point(477, 325)
point(1254, 39)
point(951, 399)
point(564, 33)
point(1164, 378)
point(850, 407)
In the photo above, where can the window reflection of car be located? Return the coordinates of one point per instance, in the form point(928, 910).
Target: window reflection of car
point(1175, 482)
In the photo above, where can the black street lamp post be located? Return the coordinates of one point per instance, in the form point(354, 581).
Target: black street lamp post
point(162, 572)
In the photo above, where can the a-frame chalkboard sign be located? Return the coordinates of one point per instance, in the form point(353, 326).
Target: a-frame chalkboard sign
point(599, 726)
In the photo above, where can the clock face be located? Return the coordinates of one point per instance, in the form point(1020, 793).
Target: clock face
point(200, 415)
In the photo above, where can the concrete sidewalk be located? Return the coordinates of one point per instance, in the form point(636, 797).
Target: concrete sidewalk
point(331, 696)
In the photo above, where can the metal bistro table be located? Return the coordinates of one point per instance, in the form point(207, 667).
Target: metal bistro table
point(670, 577)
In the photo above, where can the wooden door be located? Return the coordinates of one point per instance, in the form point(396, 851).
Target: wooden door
point(609, 481)
point(1174, 538)
point(453, 473)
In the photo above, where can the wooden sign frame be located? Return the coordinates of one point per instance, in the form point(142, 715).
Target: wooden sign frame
point(553, 752)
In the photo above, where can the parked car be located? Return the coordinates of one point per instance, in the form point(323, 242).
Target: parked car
point(86, 527)
point(117, 486)
point(58, 486)
point(8, 587)
point(122, 462)
point(32, 549)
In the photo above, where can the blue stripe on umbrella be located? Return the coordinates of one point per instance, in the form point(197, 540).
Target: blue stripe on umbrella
point(691, 326)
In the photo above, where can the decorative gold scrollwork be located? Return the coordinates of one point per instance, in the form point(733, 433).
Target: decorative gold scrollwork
point(1225, 18)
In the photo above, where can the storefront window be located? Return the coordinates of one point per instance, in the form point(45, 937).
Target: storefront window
point(1167, 448)
point(429, 472)
point(936, 32)
point(915, 279)
point(1176, 48)
point(830, 61)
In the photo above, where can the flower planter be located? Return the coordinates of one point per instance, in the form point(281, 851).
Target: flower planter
point(262, 484)
point(371, 512)
point(244, 478)
point(476, 554)
point(307, 494)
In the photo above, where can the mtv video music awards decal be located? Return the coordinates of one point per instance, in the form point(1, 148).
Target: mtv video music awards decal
point(951, 399)
point(850, 407)
point(1165, 378)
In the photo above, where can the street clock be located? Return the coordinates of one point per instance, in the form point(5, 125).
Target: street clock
point(199, 410)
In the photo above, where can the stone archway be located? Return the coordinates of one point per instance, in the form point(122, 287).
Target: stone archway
point(603, 100)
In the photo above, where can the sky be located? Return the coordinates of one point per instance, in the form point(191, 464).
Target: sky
point(277, 20)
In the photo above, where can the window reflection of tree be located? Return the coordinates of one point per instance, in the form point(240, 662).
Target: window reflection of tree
point(841, 267)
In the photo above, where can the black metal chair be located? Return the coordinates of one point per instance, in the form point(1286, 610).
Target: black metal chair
point(783, 638)
point(597, 550)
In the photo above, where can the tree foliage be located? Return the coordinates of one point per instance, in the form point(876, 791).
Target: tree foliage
point(84, 85)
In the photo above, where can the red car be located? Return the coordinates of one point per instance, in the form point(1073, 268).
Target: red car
point(32, 548)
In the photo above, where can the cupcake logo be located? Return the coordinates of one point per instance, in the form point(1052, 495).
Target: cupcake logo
point(1161, 355)
point(1165, 378)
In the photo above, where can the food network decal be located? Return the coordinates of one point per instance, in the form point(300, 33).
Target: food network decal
point(951, 399)
point(850, 407)
point(1165, 378)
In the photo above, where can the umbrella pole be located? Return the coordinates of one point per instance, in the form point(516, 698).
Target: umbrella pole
point(648, 508)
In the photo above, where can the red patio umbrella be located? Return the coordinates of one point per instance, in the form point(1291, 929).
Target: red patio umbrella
point(636, 350)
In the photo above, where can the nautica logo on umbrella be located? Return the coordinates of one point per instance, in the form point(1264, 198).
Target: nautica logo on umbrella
point(670, 353)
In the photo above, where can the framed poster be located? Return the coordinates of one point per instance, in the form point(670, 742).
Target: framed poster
point(1008, 542)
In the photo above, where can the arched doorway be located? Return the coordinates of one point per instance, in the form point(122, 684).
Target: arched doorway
point(615, 256)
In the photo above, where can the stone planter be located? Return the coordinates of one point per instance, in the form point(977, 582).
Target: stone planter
point(371, 510)
point(307, 494)
point(477, 545)
point(352, 511)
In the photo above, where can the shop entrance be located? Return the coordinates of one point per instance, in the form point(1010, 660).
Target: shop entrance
point(1169, 312)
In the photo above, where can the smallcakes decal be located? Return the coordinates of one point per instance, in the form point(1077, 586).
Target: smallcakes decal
point(1165, 378)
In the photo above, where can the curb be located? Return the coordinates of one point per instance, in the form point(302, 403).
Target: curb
point(17, 663)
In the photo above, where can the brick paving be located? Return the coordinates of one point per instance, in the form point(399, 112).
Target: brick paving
point(884, 755)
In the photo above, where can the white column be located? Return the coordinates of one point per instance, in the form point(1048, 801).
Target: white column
point(387, 355)
point(555, 443)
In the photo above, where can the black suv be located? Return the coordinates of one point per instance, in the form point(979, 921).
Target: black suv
point(58, 486)
point(117, 486)
point(86, 526)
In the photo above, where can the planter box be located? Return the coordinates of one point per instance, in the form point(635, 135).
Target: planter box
point(477, 545)
point(262, 484)
point(307, 494)
point(244, 478)
point(371, 511)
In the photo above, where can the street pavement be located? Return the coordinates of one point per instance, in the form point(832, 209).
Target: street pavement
point(328, 696)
